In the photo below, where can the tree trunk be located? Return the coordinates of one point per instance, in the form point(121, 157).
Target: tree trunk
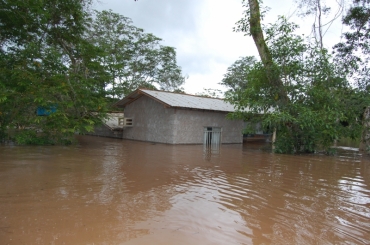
point(272, 73)
point(257, 34)
point(319, 17)
point(365, 138)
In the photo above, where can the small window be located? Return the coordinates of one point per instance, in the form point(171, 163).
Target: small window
point(125, 122)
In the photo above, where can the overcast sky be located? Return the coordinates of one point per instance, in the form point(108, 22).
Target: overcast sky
point(202, 32)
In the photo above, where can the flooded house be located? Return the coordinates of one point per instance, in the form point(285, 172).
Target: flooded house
point(174, 118)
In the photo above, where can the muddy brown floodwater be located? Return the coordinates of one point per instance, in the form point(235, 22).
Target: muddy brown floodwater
point(110, 191)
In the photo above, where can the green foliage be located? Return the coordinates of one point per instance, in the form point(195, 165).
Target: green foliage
point(55, 54)
point(243, 25)
point(353, 52)
point(29, 137)
point(352, 55)
point(236, 75)
point(132, 57)
point(44, 61)
point(321, 107)
point(32, 137)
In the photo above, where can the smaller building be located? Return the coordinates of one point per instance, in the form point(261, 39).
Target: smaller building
point(173, 118)
point(112, 126)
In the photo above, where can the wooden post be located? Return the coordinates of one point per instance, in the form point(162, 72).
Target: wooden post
point(365, 138)
point(273, 139)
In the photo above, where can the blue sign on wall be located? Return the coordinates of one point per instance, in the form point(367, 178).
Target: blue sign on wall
point(42, 111)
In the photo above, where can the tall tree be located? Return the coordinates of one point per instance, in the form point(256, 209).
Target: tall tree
point(354, 52)
point(317, 95)
point(354, 55)
point(236, 75)
point(251, 25)
point(320, 11)
point(132, 57)
point(45, 63)
point(60, 60)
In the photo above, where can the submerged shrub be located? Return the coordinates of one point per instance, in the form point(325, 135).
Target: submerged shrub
point(32, 137)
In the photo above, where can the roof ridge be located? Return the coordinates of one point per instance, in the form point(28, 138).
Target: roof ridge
point(194, 95)
point(179, 100)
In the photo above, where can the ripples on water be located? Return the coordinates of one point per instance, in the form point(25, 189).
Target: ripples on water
point(109, 191)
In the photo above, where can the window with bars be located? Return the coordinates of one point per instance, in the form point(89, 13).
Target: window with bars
point(212, 136)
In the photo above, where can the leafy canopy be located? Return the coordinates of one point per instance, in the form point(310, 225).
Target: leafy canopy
point(58, 58)
point(132, 57)
point(321, 106)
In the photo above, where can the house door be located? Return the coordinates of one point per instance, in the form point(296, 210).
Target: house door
point(212, 137)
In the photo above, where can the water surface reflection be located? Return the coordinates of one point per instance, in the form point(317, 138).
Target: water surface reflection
point(109, 191)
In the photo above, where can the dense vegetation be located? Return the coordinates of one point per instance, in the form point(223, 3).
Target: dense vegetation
point(63, 59)
point(69, 62)
point(310, 97)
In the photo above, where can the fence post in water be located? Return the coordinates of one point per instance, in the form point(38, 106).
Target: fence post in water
point(273, 139)
point(365, 138)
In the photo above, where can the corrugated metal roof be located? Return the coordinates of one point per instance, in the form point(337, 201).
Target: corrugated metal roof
point(180, 100)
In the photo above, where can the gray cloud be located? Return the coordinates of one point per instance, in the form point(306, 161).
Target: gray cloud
point(200, 30)
point(160, 17)
point(169, 20)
